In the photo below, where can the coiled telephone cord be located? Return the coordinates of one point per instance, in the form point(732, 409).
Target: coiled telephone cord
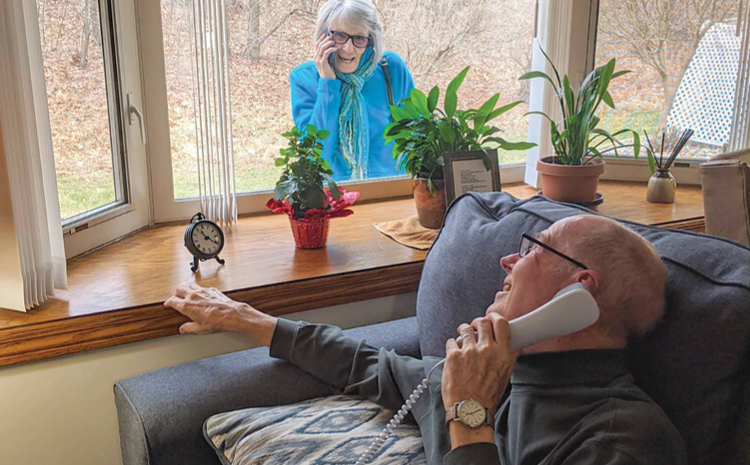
point(397, 418)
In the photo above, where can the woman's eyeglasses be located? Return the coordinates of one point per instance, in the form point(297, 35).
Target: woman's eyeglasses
point(341, 38)
point(528, 242)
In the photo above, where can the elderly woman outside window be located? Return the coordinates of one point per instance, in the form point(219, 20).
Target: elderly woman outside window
point(343, 89)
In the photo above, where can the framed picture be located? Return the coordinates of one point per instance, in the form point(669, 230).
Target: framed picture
point(469, 171)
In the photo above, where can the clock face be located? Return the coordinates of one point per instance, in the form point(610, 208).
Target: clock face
point(207, 238)
point(471, 413)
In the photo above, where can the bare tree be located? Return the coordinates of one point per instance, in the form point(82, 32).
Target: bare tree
point(663, 34)
point(252, 45)
point(273, 19)
point(430, 33)
point(91, 30)
point(515, 26)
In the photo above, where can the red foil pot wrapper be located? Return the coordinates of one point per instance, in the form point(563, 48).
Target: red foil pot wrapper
point(310, 234)
point(311, 231)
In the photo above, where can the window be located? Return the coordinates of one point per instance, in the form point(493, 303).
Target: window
point(267, 39)
point(684, 60)
point(80, 68)
point(92, 74)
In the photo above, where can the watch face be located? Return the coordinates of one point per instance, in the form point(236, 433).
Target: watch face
point(471, 413)
point(207, 238)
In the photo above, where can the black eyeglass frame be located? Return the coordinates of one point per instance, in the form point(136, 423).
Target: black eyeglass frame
point(533, 240)
point(350, 37)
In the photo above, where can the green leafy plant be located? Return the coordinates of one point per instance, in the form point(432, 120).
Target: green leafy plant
point(577, 139)
point(301, 183)
point(422, 132)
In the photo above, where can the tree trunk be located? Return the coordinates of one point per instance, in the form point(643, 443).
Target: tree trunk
point(89, 16)
point(252, 46)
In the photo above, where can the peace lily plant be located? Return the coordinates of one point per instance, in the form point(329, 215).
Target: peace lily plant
point(577, 140)
point(422, 133)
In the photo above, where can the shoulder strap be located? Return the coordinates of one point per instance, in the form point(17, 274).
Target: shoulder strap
point(387, 73)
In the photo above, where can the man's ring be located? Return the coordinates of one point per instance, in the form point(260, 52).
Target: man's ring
point(464, 336)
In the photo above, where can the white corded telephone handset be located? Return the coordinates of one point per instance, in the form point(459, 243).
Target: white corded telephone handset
point(570, 310)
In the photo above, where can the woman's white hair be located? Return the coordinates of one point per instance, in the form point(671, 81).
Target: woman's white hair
point(354, 12)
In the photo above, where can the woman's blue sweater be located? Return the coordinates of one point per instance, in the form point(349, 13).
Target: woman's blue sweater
point(317, 101)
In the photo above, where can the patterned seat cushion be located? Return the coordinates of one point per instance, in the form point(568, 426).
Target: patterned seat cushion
point(325, 431)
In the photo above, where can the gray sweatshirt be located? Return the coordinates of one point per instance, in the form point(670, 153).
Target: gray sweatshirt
point(577, 407)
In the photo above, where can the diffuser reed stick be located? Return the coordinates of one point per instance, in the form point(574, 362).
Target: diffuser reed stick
point(669, 143)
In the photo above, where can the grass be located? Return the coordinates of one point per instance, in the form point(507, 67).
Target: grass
point(78, 195)
point(246, 180)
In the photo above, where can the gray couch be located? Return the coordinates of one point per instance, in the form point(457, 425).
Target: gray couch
point(694, 364)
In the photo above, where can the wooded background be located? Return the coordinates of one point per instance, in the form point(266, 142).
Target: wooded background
point(267, 38)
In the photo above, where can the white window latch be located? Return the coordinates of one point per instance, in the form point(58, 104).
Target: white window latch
point(132, 110)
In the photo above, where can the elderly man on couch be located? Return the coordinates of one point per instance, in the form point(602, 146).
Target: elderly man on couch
point(570, 400)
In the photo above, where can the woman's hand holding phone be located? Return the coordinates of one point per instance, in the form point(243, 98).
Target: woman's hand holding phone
point(323, 49)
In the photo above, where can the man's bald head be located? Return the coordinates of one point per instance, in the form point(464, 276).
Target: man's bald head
point(632, 276)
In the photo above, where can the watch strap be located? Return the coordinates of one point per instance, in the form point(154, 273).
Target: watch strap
point(452, 415)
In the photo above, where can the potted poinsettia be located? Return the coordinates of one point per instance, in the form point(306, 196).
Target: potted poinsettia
point(422, 133)
point(300, 191)
point(571, 173)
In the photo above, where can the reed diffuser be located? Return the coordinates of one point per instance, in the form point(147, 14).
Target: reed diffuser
point(662, 185)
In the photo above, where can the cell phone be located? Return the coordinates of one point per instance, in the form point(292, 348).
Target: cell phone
point(332, 56)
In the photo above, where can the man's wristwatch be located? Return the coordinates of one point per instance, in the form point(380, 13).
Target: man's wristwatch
point(471, 413)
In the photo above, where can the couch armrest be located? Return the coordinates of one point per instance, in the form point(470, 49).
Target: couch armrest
point(161, 413)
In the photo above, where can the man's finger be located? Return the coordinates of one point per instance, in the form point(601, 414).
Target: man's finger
point(181, 290)
point(463, 327)
point(190, 328)
point(175, 302)
point(467, 339)
point(500, 328)
point(484, 330)
point(450, 346)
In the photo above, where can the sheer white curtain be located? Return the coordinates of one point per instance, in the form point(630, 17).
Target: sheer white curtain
point(213, 111)
point(553, 35)
point(24, 117)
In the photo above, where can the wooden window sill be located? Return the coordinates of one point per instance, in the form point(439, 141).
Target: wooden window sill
point(115, 294)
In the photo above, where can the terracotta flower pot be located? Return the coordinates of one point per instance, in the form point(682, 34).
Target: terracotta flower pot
point(570, 183)
point(431, 210)
point(310, 234)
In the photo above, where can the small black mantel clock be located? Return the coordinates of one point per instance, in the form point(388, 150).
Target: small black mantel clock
point(204, 240)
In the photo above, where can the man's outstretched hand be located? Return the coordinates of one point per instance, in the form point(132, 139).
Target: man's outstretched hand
point(478, 367)
point(211, 311)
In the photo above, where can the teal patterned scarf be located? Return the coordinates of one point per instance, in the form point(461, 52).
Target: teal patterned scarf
point(354, 126)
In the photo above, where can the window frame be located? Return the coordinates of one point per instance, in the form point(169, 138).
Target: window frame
point(112, 77)
point(580, 52)
point(685, 171)
point(131, 210)
point(166, 208)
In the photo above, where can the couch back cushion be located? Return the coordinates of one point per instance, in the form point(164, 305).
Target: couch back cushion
point(694, 364)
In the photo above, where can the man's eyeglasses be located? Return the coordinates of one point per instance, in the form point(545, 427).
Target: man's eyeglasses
point(341, 38)
point(528, 242)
